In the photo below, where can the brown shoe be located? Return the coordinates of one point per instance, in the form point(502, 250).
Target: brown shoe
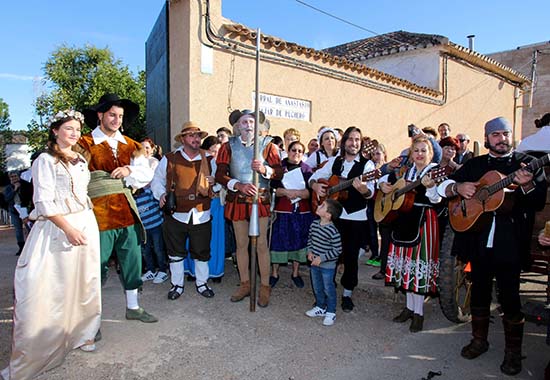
point(263, 298)
point(417, 323)
point(242, 292)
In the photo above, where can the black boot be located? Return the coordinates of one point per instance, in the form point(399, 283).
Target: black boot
point(417, 323)
point(21, 245)
point(480, 330)
point(513, 338)
point(405, 315)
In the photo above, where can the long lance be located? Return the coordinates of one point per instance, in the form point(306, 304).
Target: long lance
point(254, 225)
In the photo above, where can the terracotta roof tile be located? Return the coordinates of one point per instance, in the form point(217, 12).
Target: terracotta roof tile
point(237, 30)
point(349, 56)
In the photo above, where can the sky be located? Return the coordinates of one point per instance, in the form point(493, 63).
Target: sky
point(33, 29)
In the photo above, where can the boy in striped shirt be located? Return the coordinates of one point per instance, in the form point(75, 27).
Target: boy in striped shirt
point(324, 246)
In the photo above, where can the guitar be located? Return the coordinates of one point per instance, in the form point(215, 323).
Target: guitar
point(335, 185)
point(464, 213)
point(401, 198)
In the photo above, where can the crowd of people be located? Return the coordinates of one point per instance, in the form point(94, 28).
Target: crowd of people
point(103, 195)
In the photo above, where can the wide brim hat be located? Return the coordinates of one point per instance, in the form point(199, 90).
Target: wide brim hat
point(237, 114)
point(131, 109)
point(187, 128)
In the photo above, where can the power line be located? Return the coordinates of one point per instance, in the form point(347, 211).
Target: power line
point(351, 23)
point(337, 18)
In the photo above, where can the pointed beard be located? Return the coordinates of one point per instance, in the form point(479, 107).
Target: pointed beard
point(248, 138)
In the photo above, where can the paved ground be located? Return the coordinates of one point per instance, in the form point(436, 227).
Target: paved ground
point(197, 338)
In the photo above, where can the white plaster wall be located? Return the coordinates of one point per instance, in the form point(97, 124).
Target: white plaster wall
point(417, 66)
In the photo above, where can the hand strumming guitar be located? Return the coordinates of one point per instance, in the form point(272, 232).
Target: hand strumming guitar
point(464, 189)
point(320, 188)
point(385, 187)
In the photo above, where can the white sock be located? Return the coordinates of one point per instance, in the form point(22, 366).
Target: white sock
point(176, 270)
point(201, 272)
point(418, 304)
point(132, 299)
point(347, 293)
point(410, 301)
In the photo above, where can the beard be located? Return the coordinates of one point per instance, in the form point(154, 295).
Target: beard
point(500, 148)
point(247, 137)
point(351, 150)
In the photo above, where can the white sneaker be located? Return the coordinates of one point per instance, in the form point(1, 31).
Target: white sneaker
point(316, 312)
point(148, 276)
point(329, 319)
point(160, 277)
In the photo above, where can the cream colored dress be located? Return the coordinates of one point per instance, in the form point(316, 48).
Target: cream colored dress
point(57, 286)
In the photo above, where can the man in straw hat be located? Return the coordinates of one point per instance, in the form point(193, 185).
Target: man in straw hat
point(236, 163)
point(187, 171)
point(498, 248)
point(109, 155)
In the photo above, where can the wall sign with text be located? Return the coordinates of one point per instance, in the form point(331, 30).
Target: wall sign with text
point(274, 106)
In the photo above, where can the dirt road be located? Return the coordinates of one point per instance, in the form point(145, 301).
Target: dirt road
point(198, 338)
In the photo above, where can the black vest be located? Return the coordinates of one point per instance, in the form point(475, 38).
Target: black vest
point(355, 200)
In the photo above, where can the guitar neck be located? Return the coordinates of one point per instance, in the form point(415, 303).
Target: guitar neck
point(347, 183)
point(339, 187)
point(408, 187)
point(509, 179)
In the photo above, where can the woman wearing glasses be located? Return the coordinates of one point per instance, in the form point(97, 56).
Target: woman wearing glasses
point(293, 215)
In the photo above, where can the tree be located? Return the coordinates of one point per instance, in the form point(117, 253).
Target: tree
point(6, 133)
point(4, 115)
point(77, 78)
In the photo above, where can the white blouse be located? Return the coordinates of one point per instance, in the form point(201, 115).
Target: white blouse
point(59, 188)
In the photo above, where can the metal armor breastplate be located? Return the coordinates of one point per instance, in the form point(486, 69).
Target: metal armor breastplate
point(241, 159)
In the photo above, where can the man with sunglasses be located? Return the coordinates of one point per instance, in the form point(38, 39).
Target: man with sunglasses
point(463, 154)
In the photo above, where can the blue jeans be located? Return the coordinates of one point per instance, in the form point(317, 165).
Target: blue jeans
point(155, 244)
point(324, 289)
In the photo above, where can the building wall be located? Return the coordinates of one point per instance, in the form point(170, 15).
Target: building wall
point(521, 59)
point(157, 91)
point(473, 96)
point(182, 27)
point(418, 66)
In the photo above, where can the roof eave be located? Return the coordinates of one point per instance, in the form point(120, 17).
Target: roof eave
point(486, 63)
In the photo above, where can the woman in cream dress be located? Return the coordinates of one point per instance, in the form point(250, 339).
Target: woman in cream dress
point(57, 279)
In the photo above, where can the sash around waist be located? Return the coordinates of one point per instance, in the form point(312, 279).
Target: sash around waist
point(101, 184)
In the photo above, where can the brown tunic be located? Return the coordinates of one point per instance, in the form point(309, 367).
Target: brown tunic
point(111, 211)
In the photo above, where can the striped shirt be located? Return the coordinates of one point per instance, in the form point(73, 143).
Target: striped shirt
point(324, 241)
point(149, 210)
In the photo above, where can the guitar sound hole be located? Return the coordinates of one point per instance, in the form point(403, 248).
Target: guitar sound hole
point(483, 194)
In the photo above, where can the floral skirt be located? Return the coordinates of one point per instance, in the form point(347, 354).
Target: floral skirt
point(416, 268)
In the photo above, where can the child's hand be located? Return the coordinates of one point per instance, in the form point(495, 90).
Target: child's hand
point(316, 261)
point(310, 256)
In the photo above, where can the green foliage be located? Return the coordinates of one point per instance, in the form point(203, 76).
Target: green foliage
point(6, 133)
point(77, 78)
point(4, 115)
